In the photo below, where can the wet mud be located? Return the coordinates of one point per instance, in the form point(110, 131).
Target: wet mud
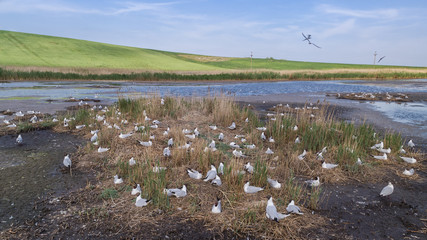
point(32, 171)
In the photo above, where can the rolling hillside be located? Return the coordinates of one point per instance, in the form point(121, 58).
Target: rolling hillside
point(24, 49)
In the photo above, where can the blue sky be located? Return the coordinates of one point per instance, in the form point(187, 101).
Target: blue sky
point(347, 31)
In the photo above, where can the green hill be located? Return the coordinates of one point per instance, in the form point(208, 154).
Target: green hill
point(24, 49)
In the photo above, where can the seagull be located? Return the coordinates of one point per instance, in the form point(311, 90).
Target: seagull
point(146, 144)
point(295, 128)
point(381, 58)
point(261, 128)
point(302, 155)
point(196, 132)
point(238, 154)
point(19, 114)
point(411, 144)
point(297, 140)
point(80, 126)
point(192, 136)
point(170, 142)
point(19, 140)
point(101, 150)
point(194, 174)
point(116, 126)
point(94, 137)
point(409, 159)
point(387, 190)
point(329, 165)
point(147, 119)
point(157, 169)
point(212, 145)
point(308, 40)
point(274, 183)
point(213, 127)
point(250, 146)
point(232, 126)
point(359, 162)
point(234, 145)
point(388, 150)
point(271, 211)
point(117, 180)
point(67, 161)
point(166, 152)
point(136, 189)
point(249, 167)
point(269, 151)
point(162, 101)
point(270, 139)
point(247, 120)
point(216, 208)
point(177, 192)
point(221, 137)
point(263, 136)
point(292, 208)
point(141, 202)
point(383, 157)
point(217, 181)
point(132, 161)
point(13, 125)
point(378, 145)
point(221, 168)
point(313, 183)
point(251, 189)
point(402, 150)
point(409, 172)
point(123, 136)
point(210, 175)
point(156, 121)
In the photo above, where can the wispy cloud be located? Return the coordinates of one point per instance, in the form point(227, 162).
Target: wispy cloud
point(339, 28)
point(376, 13)
point(24, 6)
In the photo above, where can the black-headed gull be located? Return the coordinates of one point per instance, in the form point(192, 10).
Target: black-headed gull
point(249, 167)
point(101, 149)
point(67, 161)
point(216, 208)
point(409, 159)
point(409, 172)
point(387, 190)
point(210, 175)
point(271, 211)
point(217, 181)
point(19, 139)
point(313, 183)
point(136, 189)
point(194, 174)
point(117, 180)
point(251, 189)
point(274, 183)
point(141, 202)
point(177, 192)
point(329, 165)
point(292, 208)
point(411, 144)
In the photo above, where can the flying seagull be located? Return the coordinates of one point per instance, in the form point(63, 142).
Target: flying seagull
point(308, 37)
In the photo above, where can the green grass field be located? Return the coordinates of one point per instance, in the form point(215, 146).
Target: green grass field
point(23, 50)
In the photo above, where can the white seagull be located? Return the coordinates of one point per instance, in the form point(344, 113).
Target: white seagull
point(249, 168)
point(302, 155)
point(234, 145)
point(177, 192)
point(250, 146)
point(409, 159)
point(132, 161)
point(270, 139)
point(378, 145)
point(271, 211)
point(387, 190)
point(217, 181)
point(166, 152)
point(232, 126)
point(411, 144)
point(123, 136)
point(146, 144)
point(221, 168)
point(388, 150)
point(251, 189)
point(194, 174)
point(329, 165)
point(221, 137)
point(19, 140)
point(409, 172)
point(216, 208)
point(274, 183)
point(297, 140)
point(313, 183)
point(383, 157)
point(213, 127)
point(170, 142)
point(141, 202)
point(94, 137)
point(261, 128)
point(136, 189)
point(263, 136)
point(269, 151)
point(210, 175)
point(117, 180)
point(238, 154)
point(292, 208)
point(67, 161)
point(101, 150)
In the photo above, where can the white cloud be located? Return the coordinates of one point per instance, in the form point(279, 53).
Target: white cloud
point(339, 28)
point(376, 13)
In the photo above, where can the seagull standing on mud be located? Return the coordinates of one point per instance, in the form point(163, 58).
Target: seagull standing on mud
point(387, 190)
point(19, 140)
point(271, 211)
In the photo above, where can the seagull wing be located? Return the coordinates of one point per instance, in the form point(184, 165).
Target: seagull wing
point(387, 190)
point(315, 45)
